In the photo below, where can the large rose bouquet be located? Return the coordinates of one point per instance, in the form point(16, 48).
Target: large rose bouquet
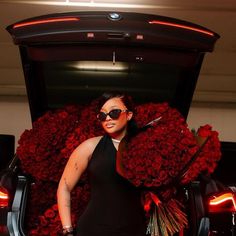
point(163, 155)
point(153, 159)
point(40, 147)
point(44, 151)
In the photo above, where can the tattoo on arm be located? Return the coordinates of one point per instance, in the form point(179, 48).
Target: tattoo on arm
point(66, 184)
point(76, 166)
point(67, 203)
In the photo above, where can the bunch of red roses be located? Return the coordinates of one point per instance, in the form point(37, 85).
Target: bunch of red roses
point(48, 221)
point(87, 127)
point(157, 155)
point(40, 148)
point(207, 159)
point(164, 154)
point(44, 151)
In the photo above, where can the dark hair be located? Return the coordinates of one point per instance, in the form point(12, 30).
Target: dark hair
point(128, 102)
point(126, 99)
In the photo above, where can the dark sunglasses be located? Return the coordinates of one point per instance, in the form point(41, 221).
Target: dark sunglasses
point(114, 114)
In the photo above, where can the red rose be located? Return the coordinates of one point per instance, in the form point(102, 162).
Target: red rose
point(43, 221)
point(49, 213)
point(204, 131)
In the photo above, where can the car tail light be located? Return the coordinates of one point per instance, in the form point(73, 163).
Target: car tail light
point(4, 197)
point(46, 21)
point(223, 202)
point(158, 22)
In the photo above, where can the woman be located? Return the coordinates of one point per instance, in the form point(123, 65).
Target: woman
point(114, 208)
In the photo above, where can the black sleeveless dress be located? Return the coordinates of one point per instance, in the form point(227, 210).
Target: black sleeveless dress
point(114, 208)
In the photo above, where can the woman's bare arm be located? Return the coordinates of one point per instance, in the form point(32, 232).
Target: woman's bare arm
point(74, 168)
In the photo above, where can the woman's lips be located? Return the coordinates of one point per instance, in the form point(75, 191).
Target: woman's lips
point(109, 125)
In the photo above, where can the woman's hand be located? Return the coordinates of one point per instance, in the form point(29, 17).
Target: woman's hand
point(68, 231)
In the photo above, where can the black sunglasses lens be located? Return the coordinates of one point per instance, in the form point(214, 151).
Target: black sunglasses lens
point(102, 116)
point(114, 114)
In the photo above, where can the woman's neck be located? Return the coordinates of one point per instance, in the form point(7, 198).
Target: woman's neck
point(115, 140)
point(118, 137)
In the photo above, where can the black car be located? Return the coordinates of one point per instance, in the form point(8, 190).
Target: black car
point(70, 57)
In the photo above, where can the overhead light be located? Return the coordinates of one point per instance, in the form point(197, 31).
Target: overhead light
point(100, 66)
point(91, 3)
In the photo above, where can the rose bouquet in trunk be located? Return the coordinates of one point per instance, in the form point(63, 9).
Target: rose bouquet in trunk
point(162, 155)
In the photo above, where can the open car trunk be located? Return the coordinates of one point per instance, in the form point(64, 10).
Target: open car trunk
point(74, 57)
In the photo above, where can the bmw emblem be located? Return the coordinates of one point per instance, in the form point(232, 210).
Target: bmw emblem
point(114, 16)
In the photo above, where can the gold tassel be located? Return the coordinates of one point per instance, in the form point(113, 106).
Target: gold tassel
point(167, 219)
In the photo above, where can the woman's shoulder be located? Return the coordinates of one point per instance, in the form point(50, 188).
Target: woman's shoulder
point(91, 143)
point(87, 147)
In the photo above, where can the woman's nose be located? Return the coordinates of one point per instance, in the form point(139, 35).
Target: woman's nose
point(108, 117)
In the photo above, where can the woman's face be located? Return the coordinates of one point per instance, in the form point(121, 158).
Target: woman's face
point(116, 127)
